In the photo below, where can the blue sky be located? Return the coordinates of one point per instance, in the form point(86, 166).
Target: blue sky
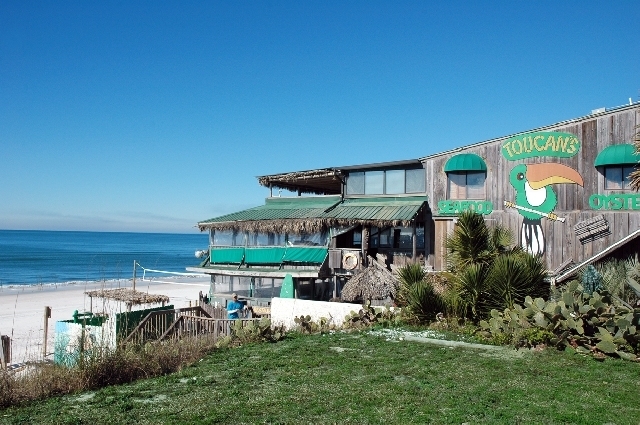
point(151, 116)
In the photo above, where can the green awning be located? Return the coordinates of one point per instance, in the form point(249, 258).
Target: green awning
point(231, 255)
point(266, 255)
point(624, 154)
point(298, 254)
point(465, 162)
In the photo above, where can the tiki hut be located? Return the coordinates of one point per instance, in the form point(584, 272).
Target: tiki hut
point(128, 296)
point(372, 283)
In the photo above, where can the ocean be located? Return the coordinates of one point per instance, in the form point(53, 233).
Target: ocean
point(44, 257)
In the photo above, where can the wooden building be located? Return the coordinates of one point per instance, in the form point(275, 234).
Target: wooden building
point(562, 189)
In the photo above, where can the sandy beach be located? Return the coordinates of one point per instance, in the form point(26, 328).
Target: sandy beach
point(22, 307)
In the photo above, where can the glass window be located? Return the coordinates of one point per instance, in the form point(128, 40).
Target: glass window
point(415, 182)
point(357, 237)
point(228, 238)
point(355, 184)
point(466, 185)
point(390, 182)
point(617, 177)
point(394, 182)
point(308, 239)
point(385, 237)
point(374, 182)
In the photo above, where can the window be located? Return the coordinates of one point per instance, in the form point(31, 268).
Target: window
point(388, 182)
point(373, 182)
point(617, 177)
point(466, 185)
point(357, 238)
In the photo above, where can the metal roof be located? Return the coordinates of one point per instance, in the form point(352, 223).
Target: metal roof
point(281, 208)
point(378, 209)
point(382, 210)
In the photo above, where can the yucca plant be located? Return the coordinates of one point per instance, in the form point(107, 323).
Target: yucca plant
point(512, 277)
point(486, 271)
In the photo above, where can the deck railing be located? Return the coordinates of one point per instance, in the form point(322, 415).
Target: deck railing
point(156, 323)
point(193, 326)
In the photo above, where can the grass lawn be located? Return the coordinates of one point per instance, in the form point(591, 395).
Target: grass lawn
point(361, 378)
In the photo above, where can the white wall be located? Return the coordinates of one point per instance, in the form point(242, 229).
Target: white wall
point(284, 310)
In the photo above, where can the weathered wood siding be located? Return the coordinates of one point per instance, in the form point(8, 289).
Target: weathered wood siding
point(595, 132)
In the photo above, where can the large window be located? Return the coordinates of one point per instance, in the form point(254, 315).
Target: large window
point(466, 185)
point(388, 182)
point(617, 177)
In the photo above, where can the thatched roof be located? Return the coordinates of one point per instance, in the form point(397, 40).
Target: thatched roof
point(323, 181)
point(128, 296)
point(372, 283)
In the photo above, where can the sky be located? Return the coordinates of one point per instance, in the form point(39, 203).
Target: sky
point(149, 116)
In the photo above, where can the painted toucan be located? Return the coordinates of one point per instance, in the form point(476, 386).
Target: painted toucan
point(535, 198)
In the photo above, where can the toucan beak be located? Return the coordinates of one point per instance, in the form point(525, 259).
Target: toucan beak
point(540, 175)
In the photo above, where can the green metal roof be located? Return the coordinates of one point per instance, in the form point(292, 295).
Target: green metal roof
point(465, 162)
point(281, 208)
point(374, 209)
point(385, 210)
point(617, 155)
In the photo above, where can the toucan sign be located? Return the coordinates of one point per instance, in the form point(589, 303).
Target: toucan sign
point(543, 143)
point(535, 194)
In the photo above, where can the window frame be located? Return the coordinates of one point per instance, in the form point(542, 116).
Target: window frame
point(624, 182)
point(465, 187)
point(372, 175)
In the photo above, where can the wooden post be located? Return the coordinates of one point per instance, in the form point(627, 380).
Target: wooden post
point(365, 244)
point(3, 361)
point(47, 315)
point(134, 275)
point(414, 242)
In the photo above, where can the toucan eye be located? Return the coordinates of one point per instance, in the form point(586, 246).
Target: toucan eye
point(520, 176)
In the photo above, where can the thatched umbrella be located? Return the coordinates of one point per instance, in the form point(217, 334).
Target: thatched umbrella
point(128, 296)
point(371, 283)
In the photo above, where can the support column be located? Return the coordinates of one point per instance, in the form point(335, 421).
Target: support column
point(365, 244)
point(414, 242)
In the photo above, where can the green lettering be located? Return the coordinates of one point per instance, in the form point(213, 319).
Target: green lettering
point(455, 206)
point(615, 202)
point(488, 207)
point(635, 202)
point(595, 201)
point(464, 205)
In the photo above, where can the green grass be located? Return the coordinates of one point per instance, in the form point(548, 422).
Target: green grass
point(360, 378)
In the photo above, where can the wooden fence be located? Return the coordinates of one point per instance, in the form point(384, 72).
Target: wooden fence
point(193, 326)
point(193, 321)
point(152, 327)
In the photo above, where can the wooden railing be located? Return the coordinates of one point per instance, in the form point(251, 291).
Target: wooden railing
point(194, 326)
point(156, 323)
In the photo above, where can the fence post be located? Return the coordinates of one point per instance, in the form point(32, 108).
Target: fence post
point(47, 315)
point(3, 361)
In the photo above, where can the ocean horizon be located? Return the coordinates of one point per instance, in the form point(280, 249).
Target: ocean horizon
point(29, 257)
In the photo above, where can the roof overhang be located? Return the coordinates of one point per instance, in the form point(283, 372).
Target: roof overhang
point(324, 181)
